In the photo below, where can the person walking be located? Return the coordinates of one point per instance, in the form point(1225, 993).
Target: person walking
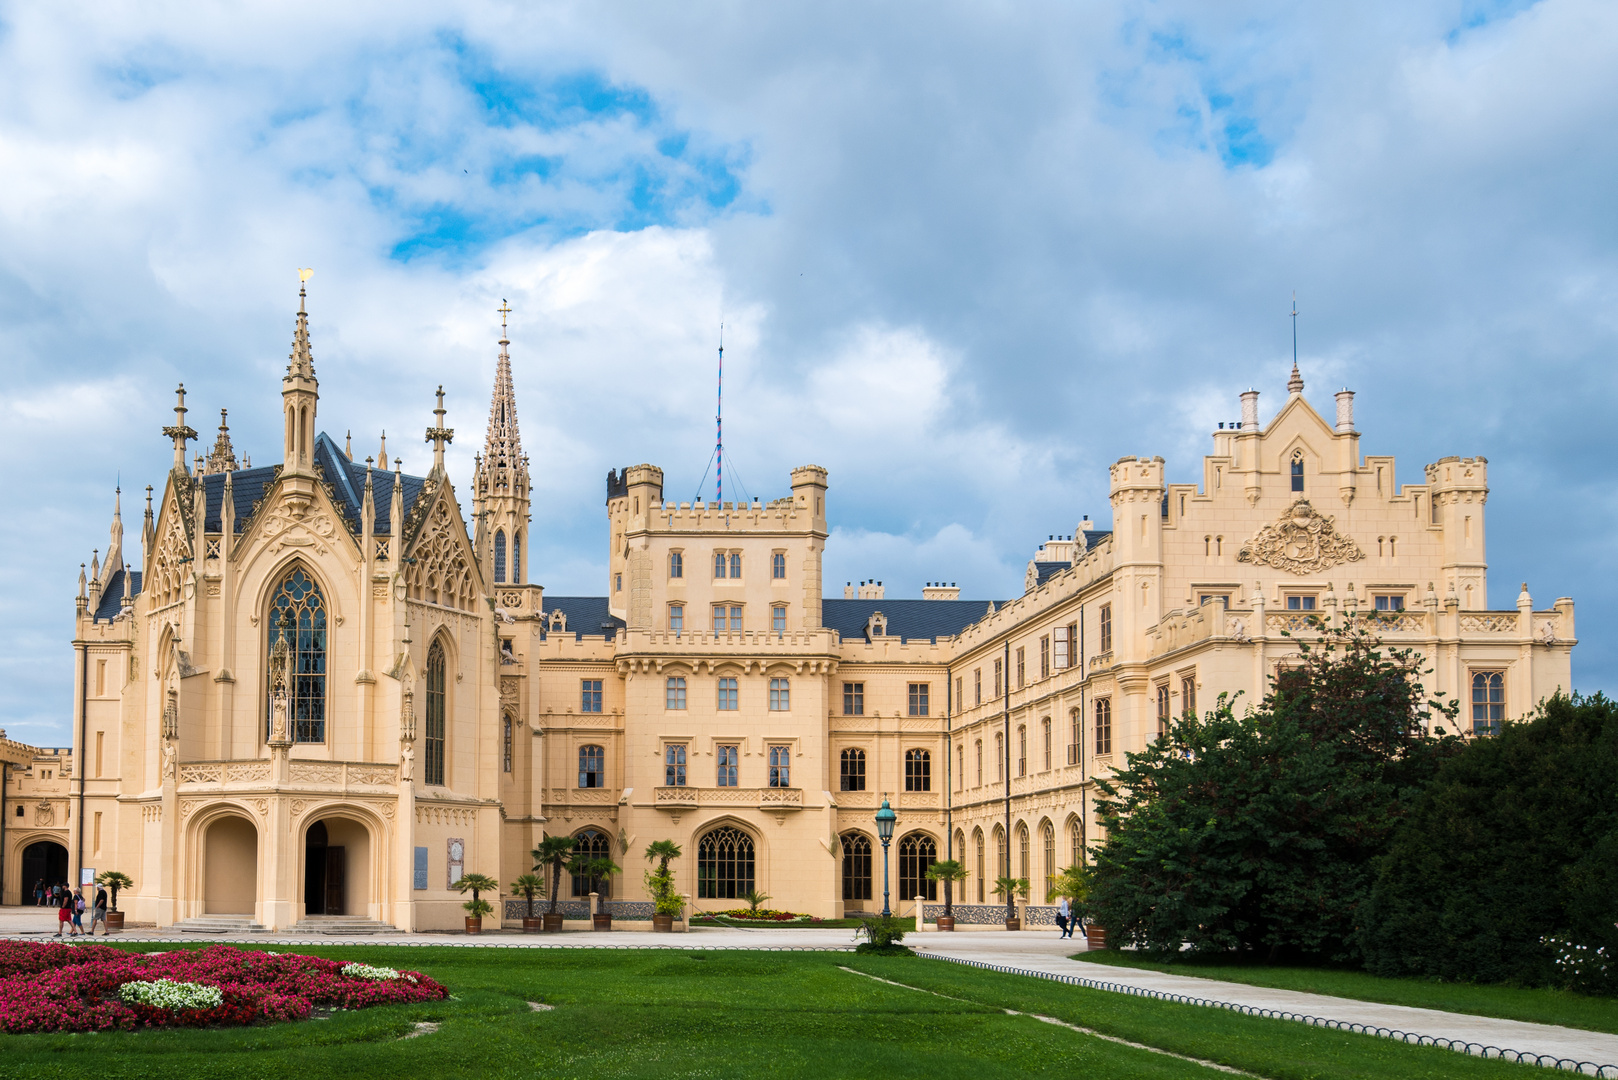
point(99, 914)
point(76, 903)
point(39, 893)
point(1064, 917)
point(64, 917)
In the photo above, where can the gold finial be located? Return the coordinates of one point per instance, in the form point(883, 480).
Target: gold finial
point(305, 273)
point(504, 309)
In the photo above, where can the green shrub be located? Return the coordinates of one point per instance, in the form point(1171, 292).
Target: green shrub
point(882, 934)
point(1509, 861)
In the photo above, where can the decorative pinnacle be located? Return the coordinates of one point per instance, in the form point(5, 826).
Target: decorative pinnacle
point(178, 431)
point(301, 361)
point(438, 434)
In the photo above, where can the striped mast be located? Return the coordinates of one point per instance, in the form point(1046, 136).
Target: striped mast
point(719, 421)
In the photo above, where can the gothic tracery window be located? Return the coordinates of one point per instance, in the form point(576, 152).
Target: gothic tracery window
point(724, 864)
point(433, 768)
point(917, 852)
point(500, 556)
point(856, 866)
point(298, 617)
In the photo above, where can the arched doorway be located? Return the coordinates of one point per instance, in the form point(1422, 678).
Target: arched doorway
point(43, 860)
point(590, 845)
point(336, 867)
point(856, 870)
point(230, 867)
point(917, 852)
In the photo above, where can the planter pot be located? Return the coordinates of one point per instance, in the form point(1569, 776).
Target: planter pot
point(115, 920)
point(474, 925)
point(530, 926)
point(1013, 924)
point(1095, 937)
point(600, 921)
point(663, 924)
point(552, 923)
point(946, 922)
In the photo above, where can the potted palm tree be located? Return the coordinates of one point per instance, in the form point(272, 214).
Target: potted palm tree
point(949, 871)
point(114, 880)
point(477, 907)
point(554, 852)
point(1010, 888)
point(666, 903)
point(529, 886)
point(597, 871)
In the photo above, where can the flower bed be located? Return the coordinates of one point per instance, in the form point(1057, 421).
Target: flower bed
point(59, 987)
point(762, 915)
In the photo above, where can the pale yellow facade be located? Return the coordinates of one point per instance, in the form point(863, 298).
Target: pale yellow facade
point(717, 695)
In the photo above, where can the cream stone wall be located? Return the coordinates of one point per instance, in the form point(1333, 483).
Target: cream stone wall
point(207, 803)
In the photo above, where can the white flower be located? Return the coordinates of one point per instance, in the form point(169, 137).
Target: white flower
point(366, 971)
point(167, 994)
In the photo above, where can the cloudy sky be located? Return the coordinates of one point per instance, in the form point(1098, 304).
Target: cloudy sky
point(965, 254)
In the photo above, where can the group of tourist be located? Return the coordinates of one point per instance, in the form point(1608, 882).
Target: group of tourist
point(70, 906)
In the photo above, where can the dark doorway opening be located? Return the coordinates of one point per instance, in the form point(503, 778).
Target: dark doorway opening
point(43, 860)
point(324, 872)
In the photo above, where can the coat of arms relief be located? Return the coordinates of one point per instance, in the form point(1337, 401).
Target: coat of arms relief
point(1303, 541)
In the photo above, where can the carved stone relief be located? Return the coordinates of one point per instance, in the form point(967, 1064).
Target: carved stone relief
point(1303, 541)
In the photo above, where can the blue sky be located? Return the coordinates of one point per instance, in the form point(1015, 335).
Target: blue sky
point(966, 255)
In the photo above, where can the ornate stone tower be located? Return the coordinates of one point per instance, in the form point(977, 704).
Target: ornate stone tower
point(500, 480)
point(300, 392)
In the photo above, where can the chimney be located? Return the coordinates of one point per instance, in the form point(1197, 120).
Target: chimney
point(1345, 411)
point(1250, 410)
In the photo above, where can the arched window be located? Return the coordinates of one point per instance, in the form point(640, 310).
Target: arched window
point(1002, 865)
point(724, 864)
point(1047, 837)
point(1297, 470)
point(676, 564)
point(506, 747)
point(856, 866)
point(1075, 839)
point(516, 557)
point(1023, 869)
point(918, 770)
point(592, 767)
point(853, 770)
point(434, 765)
point(298, 619)
point(592, 844)
point(977, 836)
point(500, 555)
point(917, 852)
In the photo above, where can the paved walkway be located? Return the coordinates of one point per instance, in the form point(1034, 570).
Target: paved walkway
point(1038, 951)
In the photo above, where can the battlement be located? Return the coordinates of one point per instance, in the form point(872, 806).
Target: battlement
point(1459, 473)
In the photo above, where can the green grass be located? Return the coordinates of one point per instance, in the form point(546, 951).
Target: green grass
point(1504, 1002)
point(689, 1013)
point(908, 923)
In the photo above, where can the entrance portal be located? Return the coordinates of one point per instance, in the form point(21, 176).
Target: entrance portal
point(230, 867)
point(337, 868)
point(43, 860)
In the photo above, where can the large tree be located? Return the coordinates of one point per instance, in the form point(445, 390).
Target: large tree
point(1515, 842)
point(1257, 833)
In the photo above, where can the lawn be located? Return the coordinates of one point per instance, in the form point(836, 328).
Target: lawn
point(688, 1013)
point(1505, 1002)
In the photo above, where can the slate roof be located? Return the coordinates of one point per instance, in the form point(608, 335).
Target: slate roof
point(585, 615)
point(112, 601)
point(1043, 570)
point(909, 619)
point(1092, 537)
point(347, 478)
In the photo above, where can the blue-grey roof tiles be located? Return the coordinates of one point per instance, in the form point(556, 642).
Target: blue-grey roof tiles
point(112, 600)
point(909, 619)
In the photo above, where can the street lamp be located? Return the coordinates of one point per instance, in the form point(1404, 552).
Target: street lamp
point(885, 818)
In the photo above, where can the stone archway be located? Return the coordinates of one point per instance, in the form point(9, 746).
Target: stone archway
point(230, 867)
point(336, 867)
point(43, 860)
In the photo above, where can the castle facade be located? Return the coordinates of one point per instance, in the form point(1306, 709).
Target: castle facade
point(320, 693)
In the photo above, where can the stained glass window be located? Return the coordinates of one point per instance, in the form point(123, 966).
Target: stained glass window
point(298, 617)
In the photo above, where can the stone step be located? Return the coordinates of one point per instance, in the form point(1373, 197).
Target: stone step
point(342, 924)
point(219, 924)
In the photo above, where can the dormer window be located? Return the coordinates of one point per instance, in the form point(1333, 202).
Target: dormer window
point(1297, 470)
point(558, 620)
point(876, 625)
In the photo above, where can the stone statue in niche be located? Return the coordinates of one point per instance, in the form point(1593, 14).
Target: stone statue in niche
point(169, 767)
point(407, 761)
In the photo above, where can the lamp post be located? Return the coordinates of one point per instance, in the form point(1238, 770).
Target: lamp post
point(885, 818)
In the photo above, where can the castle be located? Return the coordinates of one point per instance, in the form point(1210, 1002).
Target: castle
point(319, 693)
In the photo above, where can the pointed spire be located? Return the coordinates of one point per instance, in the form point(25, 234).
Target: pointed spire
point(1295, 384)
point(382, 454)
point(222, 458)
point(502, 447)
point(115, 545)
point(301, 361)
point(148, 530)
point(439, 435)
point(348, 445)
point(82, 601)
point(178, 431)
